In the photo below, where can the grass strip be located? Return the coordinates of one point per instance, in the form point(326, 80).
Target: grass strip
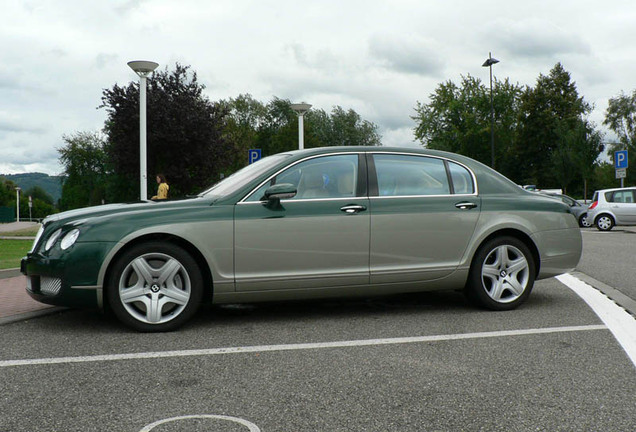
point(11, 251)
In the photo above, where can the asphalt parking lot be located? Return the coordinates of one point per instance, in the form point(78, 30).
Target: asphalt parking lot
point(405, 363)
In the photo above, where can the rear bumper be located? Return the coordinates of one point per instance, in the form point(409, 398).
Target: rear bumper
point(560, 251)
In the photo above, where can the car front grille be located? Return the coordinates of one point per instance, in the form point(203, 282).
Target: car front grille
point(50, 286)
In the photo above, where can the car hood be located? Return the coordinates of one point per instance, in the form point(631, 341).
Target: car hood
point(122, 208)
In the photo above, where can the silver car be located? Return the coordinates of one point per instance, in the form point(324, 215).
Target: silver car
point(612, 207)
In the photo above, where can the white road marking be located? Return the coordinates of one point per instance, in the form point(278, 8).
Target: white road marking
point(251, 426)
point(618, 321)
point(292, 347)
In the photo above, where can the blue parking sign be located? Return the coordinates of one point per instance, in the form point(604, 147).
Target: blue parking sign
point(253, 155)
point(620, 159)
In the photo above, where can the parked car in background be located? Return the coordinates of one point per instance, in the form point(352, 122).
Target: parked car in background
point(578, 210)
point(330, 222)
point(612, 207)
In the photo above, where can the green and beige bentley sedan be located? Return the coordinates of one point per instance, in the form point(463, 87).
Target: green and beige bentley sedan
point(330, 222)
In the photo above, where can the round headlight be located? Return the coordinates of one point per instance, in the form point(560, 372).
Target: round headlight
point(51, 241)
point(69, 239)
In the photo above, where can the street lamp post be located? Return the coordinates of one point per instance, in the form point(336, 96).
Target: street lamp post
point(143, 69)
point(17, 204)
point(301, 109)
point(488, 63)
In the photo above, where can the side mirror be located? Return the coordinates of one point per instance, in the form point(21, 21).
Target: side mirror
point(280, 191)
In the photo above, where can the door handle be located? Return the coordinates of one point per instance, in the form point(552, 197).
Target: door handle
point(353, 208)
point(466, 205)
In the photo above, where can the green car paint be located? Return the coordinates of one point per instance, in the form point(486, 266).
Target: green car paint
point(290, 248)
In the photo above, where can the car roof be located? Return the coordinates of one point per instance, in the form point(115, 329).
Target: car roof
point(616, 189)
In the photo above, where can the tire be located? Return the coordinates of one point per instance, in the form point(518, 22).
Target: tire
point(502, 274)
point(584, 221)
point(155, 287)
point(604, 222)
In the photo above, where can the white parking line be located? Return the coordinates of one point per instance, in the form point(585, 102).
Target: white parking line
point(618, 321)
point(292, 347)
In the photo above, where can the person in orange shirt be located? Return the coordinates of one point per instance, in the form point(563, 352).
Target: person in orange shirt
point(162, 190)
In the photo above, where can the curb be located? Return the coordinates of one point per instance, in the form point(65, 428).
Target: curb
point(9, 273)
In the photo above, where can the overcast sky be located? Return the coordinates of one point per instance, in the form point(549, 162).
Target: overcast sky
point(376, 57)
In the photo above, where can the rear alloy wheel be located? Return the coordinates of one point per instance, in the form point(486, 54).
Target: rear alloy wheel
point(604, 222)
point(502, 274)
point(584, 222)
point(155, 287)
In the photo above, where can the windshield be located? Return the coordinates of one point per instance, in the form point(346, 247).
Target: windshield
point(243, 176)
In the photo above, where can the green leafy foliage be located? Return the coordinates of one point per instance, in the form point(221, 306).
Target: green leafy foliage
point(620, 117)
point(542, 133)
point(85, 164)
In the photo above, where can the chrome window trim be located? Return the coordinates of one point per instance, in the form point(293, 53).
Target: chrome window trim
point(243, 200)
point(307, 200)
point(472, 174)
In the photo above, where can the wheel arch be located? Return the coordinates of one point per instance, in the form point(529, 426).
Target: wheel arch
point(519, 235)
point(198, 257)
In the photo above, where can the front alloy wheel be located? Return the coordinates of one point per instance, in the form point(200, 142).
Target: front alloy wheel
point(502, 274)
point(155, 287)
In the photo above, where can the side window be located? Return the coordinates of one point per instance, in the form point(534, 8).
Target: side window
point(626, 197)
point(609, 196)
point(405, 175)
point(462, 180)
point(321, 177)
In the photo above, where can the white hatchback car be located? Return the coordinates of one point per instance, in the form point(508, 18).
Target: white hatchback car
point(613, 207)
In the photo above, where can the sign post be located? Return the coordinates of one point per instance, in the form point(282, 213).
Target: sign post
point(621, 164)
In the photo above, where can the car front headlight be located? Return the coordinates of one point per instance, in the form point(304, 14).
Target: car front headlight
point(51, 241)
point(69, 239)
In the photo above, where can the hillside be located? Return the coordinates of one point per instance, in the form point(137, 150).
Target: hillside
point(51, 184)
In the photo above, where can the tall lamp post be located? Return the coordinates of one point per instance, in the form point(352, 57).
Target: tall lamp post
point(488, 63)
point(301, 109)
point(17, 204)
point(143, 69)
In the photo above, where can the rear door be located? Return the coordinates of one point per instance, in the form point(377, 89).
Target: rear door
point(423, 214)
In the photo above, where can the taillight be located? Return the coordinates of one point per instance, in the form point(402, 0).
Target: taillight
point(594, 204)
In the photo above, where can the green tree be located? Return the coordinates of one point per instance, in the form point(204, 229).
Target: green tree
point(341, 128)
point(552, 125)
point(273, 127)
point(457, 119)
point(185, 134)
point(36, 192)
point(7, 192)
point(84, 160)
point(620, 117)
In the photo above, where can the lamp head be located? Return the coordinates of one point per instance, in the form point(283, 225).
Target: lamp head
point(300, 108)
point(142, 67)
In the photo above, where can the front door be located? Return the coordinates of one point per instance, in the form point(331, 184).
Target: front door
point(319, 238)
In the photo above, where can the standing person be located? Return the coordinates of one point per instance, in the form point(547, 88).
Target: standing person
point(162, 190)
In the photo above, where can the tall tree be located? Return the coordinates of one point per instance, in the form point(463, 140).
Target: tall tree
point(84, 160)
point(550, 114)
point(620, 117)
point(185, 133)
point(457, 119)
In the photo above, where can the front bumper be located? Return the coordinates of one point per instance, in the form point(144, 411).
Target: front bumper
point(66, 279)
